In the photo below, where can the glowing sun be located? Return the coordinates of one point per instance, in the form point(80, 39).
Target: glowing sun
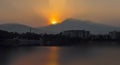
point(54, 22)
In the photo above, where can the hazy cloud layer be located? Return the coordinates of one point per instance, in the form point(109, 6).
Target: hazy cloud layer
point(35, 12)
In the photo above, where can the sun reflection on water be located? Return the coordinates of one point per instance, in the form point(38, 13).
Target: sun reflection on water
point(53, 56)
point(42, 56)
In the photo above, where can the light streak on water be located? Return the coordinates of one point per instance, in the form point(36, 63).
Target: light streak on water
point(53, 56)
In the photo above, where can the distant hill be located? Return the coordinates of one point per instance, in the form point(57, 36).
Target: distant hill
point(69, 24)
point(15, 28)
point(73, 24)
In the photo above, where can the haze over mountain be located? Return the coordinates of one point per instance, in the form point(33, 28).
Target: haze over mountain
point(69, 24)
point(15, 27)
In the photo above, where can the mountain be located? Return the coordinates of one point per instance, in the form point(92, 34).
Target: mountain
point(15, 28)
point(20, 28)
point(69, 24)
point(73, 24)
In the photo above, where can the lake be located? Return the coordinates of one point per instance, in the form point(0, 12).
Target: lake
point(84, 55)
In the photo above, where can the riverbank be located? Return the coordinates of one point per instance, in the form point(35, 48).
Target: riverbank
point(16, 43)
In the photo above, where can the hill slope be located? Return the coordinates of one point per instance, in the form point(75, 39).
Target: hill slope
point(72, 24)
point(69, 24)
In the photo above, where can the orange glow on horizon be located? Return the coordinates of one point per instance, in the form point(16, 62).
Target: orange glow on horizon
point(54, 21)
point(54, 13)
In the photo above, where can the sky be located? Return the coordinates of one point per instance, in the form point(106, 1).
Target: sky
point(39, 13)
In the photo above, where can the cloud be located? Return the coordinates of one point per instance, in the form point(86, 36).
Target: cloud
point(28, 11)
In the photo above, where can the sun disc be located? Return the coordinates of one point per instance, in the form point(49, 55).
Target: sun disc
point(54, 22)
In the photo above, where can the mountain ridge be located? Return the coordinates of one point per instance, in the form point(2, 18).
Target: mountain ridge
point(81, 25)
point(68, 24)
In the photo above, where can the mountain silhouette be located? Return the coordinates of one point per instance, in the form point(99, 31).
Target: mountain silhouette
point(69, 24)
point(15, 27)
point(73, 24)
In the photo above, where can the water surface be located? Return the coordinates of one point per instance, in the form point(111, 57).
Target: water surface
point(60, 56)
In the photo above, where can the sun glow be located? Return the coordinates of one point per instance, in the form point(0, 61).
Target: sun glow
point(54, 13)
point(54, 21)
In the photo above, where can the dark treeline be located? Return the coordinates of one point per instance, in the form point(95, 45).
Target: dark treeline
point(4, 35)
point(59, 39)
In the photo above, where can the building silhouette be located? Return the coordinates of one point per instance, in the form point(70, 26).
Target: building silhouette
point(114, 35)
point(76, 33)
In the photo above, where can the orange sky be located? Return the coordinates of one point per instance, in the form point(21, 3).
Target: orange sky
point(39, 13)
